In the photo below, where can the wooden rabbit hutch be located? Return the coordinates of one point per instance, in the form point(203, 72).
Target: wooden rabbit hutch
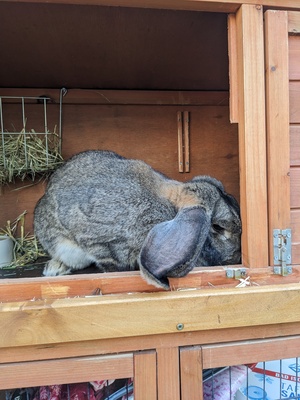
point(222, 77)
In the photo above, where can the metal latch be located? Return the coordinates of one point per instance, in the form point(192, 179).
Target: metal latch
point(282, 245)
point(236, 273)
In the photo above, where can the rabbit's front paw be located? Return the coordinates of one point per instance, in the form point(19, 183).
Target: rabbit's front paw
point(54, 268)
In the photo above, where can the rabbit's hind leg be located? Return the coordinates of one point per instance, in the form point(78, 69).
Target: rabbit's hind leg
point(67, 257)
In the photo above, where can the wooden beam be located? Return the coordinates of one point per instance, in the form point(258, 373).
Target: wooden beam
point(278, 130)
point(145, 380)
point(207, 5)
point(233, 69)
point(191, 373)
point(116, 316)
point(248, 352)
point(252, 135)
point(168, 372)
point(63, 371)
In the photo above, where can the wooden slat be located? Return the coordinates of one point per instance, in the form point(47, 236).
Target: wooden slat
point(295, 225)
point(191, 373)
point(207, 5)
point(97, 285)
point(23, 323)
point(295, 145)
point(168, 372)
point(129, 97)
point(248, 352)
point(294, 102)
point(295, 187)
point(294, 22)
point(73, 370)
point(252, 135)
point(186, 133)
point(294, 57)
point(233, 69)
point(278, 130)
point(145, 385)
point(180, 141)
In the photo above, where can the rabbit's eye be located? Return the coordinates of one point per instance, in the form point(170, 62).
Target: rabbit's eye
point(218, 228)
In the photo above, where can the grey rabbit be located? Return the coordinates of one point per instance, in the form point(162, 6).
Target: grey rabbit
point(122, 215)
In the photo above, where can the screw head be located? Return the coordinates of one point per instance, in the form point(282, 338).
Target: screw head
point(180, 326)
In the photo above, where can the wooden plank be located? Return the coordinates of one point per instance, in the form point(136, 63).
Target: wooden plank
point(295, 145)
point(97, 285)
point(294, 102)
point(134, 343)
point(294, 57)
point(100, 284)
point(295, 225)
point(125, 97)
point(207, 5)
point(294, 22)
point(72, 370)
point(186, 133)
point(191, 373)
point(24, 323)
point(145, 385)
point(233, 69)
point(247, 352)
point(180, 141)
point(252, 135)
point(168, 372)
point(278, 129)
point(295, 187)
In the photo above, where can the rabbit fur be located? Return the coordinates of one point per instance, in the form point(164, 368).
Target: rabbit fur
point(120, 214)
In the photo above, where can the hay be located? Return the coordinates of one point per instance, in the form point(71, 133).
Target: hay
point(27, 249)
point(27, 154)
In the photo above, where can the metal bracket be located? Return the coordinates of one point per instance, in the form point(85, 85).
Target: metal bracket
point(236, 273)
point(282, 245)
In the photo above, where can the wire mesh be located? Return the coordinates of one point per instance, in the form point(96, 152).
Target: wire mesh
point(269, 380)
point(27, 145)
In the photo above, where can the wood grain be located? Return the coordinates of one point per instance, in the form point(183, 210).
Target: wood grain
point(168, 372)
point(252, 135)
point(72, 370)
point(23, 323)
point(277, 116)
point(191, 373)
point(145, 379)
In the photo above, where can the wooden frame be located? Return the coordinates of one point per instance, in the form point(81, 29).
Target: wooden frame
point(164, 337)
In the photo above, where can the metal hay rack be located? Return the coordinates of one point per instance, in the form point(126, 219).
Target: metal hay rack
point(28, 151)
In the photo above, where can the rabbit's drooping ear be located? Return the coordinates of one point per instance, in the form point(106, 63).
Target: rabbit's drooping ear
point(171, 248)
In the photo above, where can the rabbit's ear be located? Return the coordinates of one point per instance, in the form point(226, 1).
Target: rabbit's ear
point(172, 247)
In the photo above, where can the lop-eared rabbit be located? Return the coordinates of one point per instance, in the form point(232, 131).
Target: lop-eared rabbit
point(120, 214)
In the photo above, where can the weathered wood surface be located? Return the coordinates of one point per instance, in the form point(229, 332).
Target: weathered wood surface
point(116, 316)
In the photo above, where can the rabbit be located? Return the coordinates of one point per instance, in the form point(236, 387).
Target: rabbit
point(120, 214)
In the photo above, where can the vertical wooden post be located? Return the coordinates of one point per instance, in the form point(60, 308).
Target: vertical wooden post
point(252, 135)
point(168, 382)
point(277, 112)
point(145, 387)
point(191, 373)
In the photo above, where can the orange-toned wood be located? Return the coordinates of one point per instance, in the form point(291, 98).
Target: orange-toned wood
point(277, 113)
point(252, 135)
point(233, 69)
point(145, 379)
point(294, 22)
point(294, 57)
point(247, 352)
point(295, 187)
point(135, 343)
point(22, 323)
point(295, 145)
point(191, 373)
point(97, 285)
point(294, 102)
point(72, 370)
point(168, 372)
point(295, 225)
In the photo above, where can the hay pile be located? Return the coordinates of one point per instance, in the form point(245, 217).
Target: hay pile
point(24, 155)
point(27, 249)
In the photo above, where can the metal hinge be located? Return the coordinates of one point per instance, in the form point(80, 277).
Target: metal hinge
point(236, 273)
point(282, 245)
